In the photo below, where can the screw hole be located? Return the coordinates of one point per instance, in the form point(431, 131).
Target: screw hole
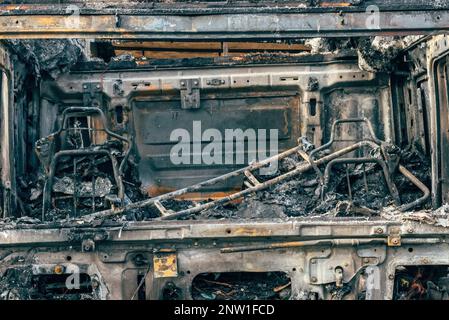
point(410, 250)
point(68, 258)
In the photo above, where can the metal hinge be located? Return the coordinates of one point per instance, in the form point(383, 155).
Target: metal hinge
point(190, 93)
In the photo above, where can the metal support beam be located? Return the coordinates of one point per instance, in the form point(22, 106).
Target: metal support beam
point(224, 23)
point(7, 167)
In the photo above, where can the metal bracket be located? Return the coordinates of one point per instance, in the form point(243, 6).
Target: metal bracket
point(88, 239)
point(92, 94)
point(88, 245)
point(190, 94)
point(394, 238)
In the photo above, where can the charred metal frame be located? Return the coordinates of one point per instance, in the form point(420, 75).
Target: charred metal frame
point(391, 187)
point(254, 185)
point(308, 251)
point(238, 21)
point(438, 50)
point(117, 168)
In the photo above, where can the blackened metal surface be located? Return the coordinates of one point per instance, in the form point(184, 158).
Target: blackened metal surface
point(155, 120)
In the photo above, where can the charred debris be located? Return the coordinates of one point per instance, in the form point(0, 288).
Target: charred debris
point(97, 181)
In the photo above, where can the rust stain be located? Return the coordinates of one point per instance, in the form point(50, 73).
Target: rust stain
point(251, 232)
point(15, 7)
point(335, 4)
point(154, 191)
point(287, 244)
point(165, 265)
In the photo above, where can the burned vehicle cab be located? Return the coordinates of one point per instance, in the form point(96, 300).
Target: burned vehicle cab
point(241, 162)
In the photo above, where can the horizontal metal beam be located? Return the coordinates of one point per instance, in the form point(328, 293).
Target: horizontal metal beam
point(243, 24)
point(167, 231)
point(182, 7)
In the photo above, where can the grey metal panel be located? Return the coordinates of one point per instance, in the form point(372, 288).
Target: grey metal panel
point(250, 112)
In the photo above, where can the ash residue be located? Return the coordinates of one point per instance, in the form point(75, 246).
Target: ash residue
point(50, 57)
point(377, 54)
point(330, 45)
point(15, 284)
point(302, 196)
point(20, 283)
point(241, 286)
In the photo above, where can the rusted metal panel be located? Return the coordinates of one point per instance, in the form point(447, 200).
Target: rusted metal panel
point(243, 23)
point(262, 110)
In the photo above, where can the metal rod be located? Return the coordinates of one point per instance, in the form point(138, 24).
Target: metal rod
point(365, 180)
point(303, 167)
point(75, 181)
point(48, 187)
point(419, 185)
point(391, 186)
point(334, 128)
point(348, 181)
point(299, 244)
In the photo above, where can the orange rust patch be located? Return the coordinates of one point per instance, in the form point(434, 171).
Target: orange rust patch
point(335, 4)
point(251, 232)
point(165, 265)
point(154, 191)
